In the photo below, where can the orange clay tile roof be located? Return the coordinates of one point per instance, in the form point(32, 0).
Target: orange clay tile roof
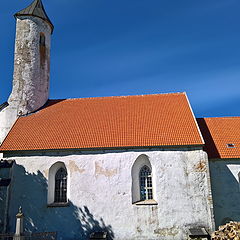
point(218, 133)
point(107, 122)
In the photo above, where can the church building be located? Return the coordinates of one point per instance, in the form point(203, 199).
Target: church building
point(135, 167)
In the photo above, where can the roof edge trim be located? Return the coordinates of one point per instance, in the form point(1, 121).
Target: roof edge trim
point(106, 148)
point(195, 120)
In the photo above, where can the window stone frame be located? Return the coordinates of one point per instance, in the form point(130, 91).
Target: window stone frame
point(51, 185)
point(141, 161)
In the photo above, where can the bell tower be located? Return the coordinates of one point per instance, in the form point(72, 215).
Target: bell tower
point(32, 59)
point(30, 89)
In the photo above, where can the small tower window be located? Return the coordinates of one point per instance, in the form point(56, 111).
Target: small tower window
point(42, 40)
point(42, 49)
point(146, 189)
point(60, 195)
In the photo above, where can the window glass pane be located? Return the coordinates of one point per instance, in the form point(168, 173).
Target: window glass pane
point(149, 193)
point(145, 178)
point(61, 186)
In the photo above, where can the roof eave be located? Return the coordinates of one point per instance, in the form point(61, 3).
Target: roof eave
point(32, 15)
point(105, 148)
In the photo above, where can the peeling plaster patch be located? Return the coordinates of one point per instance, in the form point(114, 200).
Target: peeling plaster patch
point(166, 231)
point(74, 168)
point(153, 218)
point(103, 171)
point(201, 167)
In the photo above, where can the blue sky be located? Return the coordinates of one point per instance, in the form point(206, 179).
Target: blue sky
point(132, 47)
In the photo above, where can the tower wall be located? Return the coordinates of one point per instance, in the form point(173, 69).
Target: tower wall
point(31, 65)
point(30, 89)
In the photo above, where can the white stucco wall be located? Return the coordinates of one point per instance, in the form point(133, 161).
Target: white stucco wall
point(31, 64)
point(225, 189)
point(100, 194)
point(8, 117)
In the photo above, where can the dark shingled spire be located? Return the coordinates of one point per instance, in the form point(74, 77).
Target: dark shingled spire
point(35, 9)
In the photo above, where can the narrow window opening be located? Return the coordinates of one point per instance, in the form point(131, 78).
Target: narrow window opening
point(60, 195)
point(42, 49)
point(42, 40)
point(146, 189)
point(230, 145)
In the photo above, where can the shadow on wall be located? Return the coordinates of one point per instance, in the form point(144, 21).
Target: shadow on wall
point(225, 191)
point(71, 222)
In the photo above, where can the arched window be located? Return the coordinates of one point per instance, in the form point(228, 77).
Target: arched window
point(60, 194)
point(58, 185)
point(145, 178)
point(143, 188)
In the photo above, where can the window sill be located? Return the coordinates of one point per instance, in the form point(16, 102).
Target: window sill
point(64, 204)
point(146, 202)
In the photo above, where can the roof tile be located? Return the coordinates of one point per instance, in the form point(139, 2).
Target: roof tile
point(107, 122)
point(218, 133)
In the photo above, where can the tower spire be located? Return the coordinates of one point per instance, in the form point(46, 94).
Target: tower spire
point(35, 9)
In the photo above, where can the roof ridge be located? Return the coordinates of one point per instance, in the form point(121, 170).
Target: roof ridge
point(123, 96)
point(225, 117)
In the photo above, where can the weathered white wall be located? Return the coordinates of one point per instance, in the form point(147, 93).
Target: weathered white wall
point(31, 65)
point(8, 117)
point(225, 190)
point(100, 194)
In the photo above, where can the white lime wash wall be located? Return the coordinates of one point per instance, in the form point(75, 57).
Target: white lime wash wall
point(100, 193)
point(225, 175)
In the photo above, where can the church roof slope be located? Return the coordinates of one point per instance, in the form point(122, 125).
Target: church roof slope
point(36, 9)
point(107, 122)
point(222, 136)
